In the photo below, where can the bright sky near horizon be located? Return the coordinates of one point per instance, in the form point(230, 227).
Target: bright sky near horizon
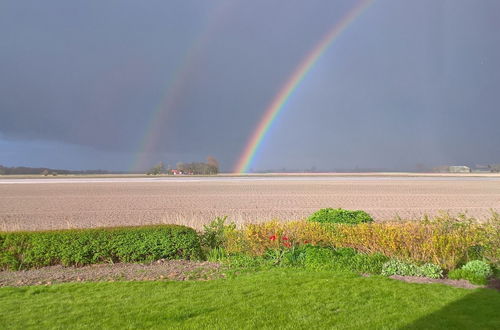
point(121, 85)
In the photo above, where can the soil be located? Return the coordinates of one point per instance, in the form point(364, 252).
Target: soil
point(456, 283)
point(177, 270)
point(82, 204)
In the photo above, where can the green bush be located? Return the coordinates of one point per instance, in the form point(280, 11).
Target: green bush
point(365, 263)
point(213, 235)
point(431, 271)
point(318, 258)
point(23, 250)
point(475, 271)
point(478, 267)
point(325, 258)
point(397, 267)
point(330, 215)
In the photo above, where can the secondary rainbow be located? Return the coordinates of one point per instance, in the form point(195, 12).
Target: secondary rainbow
point(291, 85)
point(177, 86)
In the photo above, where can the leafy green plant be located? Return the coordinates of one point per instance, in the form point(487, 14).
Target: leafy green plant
point(431, 271)
point(398, 267)
point(319, 258)
point(245, 261)
point(213, 235)
point(217, 254)
point(326, 258)
point(478, 267)
point(365, 263)
point(476, 271)
point(23, 250)
point(462, 274)
point(329, 215)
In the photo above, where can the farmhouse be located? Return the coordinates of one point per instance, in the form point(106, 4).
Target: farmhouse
point(459, 169)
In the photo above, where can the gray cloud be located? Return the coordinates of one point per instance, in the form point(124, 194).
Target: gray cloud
point(406, 83)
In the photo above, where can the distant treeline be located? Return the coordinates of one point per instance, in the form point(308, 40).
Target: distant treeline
point(198, 168)
point(211, 167)
point(20, 170)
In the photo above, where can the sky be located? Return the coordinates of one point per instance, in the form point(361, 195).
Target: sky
point(121, 85)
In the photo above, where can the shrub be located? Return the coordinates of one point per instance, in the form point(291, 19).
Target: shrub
point(326, 258)
point(475, 271)
point(366, 263)
point(330, 215)
point(431, 271)
point(213, 234)
point(462, 274)
point(256, 239)
point(319, 258)
point(398, 267)
point(438, 243)
point(447, 242)
point(23, 250)
point(478, 267)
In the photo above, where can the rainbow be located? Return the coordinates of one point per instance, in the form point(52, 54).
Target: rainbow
point(177, 85)
point(279, 101)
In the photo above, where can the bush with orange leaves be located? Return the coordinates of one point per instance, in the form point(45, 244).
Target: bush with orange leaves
point(255, 239)
point(412, 241)
point(446, 241)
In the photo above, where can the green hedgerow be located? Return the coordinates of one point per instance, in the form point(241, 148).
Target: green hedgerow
point(23, 250)
point(330, 215)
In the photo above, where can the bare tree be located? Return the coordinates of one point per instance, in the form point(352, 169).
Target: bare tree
point(213, 165)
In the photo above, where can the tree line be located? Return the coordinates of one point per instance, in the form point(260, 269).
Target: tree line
point(210, 167)
point(23, 170)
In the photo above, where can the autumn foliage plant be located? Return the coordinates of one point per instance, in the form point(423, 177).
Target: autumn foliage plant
point(438, 245)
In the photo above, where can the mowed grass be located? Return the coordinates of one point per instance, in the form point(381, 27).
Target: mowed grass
point(267, 299)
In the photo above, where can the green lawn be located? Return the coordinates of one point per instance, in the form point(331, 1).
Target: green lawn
point(267, 299)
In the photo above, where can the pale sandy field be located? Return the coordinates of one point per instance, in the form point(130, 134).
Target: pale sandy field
point(75, 203)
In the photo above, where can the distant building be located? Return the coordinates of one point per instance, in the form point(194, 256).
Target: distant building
point(459, 169)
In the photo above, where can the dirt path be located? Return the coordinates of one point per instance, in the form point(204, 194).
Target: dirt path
point(456, 283)
point(159, 270)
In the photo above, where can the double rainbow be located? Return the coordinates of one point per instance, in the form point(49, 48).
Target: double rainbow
point(279, 101)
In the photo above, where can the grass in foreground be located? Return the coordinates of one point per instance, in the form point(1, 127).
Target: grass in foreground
point(268, 299)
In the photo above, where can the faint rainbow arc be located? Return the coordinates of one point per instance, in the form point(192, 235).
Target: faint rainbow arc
point(177, 85)
point(273, 110)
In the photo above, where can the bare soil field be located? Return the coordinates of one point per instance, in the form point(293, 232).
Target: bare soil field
point(59, 204)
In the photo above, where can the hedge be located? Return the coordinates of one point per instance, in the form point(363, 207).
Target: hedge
point(78, 247)
point(330, 215)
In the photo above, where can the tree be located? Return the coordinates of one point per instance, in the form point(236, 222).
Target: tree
point(157, 169)
point(494, 168)
point(213, 165)
point(45, 172)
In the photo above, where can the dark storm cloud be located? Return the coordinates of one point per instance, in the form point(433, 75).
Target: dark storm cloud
point(406, 83)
